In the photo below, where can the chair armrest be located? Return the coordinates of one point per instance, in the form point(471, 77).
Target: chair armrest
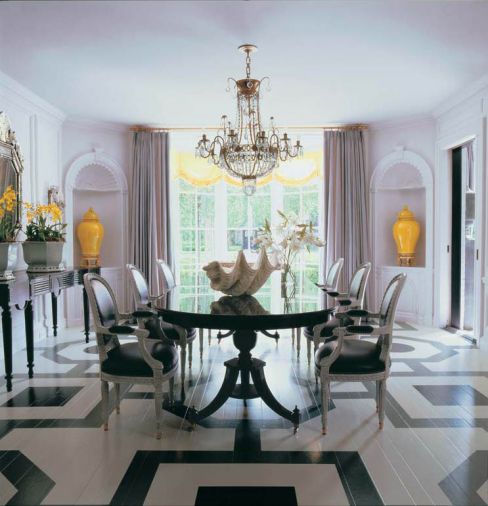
point(324, 288)
point(361, 313)
point(360, 329)
point(144, 313)
point(337, 294)
point(326, 362)
point(121, 329)
point(368, 330)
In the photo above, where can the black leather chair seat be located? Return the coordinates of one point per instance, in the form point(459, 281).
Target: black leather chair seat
point(328, 330)
point(127, 360)
point(154, 325)
point(356, 357)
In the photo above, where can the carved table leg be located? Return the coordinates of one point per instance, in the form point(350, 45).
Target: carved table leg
point(29, 336)
point(54, 307)
point(7, 344)
point(262, 388)
point(230, 380)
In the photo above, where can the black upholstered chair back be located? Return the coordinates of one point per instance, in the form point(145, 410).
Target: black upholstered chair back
point(387, 314)
point(103, 307)
point(357, 286)
point(166, 274)
point(332, 279)
point(390, 300)
point(138, 283)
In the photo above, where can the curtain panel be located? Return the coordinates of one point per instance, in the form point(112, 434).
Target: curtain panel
point(150, 204)
point(346, 217)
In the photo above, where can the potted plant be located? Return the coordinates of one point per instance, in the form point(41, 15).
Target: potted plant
point(8, 233)
point(290, 237)
point(45, 230)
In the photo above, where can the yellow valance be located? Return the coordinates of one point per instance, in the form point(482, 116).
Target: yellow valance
point(199, 172)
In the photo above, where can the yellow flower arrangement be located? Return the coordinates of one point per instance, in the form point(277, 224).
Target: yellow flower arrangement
point(8, 224)
point(44, 222)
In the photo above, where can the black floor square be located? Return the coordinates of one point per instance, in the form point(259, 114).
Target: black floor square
point(452, 395)
point(246, 496)
point(42, 396)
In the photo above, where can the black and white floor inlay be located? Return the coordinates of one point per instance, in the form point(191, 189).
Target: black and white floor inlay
point(433, 450)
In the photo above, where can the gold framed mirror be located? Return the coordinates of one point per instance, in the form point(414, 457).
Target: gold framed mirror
point(11, 164)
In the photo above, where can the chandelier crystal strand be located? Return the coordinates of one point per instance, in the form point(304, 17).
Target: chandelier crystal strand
point(245, 150)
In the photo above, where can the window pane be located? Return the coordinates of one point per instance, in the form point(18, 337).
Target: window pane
point(291, 203)
point(261, 210)
point(237, 240)
point(187, 210)
point(236, 211)
point(188, 240)
point(311, 207)
point(205, 240)
point(206, 213)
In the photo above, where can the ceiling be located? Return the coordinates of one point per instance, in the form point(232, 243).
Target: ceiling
point(166, 63)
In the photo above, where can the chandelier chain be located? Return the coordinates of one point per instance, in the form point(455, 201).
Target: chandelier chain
point(248, 66)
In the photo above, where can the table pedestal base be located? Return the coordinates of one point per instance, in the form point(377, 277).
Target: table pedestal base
point(248, 368)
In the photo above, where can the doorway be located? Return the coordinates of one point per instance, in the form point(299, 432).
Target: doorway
point(463, 251)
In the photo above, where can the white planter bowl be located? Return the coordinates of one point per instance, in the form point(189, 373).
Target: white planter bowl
point(43, 256)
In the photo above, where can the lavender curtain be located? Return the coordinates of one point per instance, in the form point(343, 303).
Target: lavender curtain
point(346, 201)
point(149, 210)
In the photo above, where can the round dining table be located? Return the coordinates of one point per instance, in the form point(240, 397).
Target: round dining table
point(275, 306)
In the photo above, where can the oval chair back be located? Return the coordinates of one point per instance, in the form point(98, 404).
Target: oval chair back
point(167, 276)
point(387, 312)
point(103, 307)
point(359, 280)
point(332, 279)
point(138, 286)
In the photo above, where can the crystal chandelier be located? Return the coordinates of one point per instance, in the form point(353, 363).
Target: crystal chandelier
point(245, 150)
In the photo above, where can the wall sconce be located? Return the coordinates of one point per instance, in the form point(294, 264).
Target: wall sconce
point(55, 196)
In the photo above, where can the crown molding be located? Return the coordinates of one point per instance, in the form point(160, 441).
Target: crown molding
point(460, 96)
point(404, 122)
point(22, 96)
point(92, 124)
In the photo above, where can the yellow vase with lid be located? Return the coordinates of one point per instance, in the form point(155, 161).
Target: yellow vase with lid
point(90, 235)
point(406, 232)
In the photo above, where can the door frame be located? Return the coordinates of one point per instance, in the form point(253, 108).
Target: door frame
point(471, 129)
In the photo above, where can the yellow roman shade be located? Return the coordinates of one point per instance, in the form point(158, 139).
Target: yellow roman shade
point(200, 172)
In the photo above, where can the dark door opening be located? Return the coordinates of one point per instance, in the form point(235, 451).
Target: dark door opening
point(462, 238)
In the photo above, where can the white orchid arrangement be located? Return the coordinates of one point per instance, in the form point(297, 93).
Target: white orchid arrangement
point(291, 237)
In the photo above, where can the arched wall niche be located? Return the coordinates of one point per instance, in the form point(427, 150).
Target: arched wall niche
point(403, 178)
point(96, 180)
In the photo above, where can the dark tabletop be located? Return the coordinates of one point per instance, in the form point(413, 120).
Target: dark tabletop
point(272, 307)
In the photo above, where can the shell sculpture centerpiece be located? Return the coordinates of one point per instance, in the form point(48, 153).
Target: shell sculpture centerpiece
point(241, 278)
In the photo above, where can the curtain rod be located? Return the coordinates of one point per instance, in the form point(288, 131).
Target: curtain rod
point(140, 128)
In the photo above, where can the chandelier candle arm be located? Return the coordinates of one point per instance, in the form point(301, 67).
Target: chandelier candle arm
point(247, 151)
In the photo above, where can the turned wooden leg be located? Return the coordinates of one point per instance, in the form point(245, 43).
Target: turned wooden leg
point(381, 407)
point(117, 397)
point(325, 385)
point(104, 386)
point(158, 404)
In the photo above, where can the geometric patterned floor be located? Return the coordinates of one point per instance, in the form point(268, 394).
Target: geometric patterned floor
point(433, 449)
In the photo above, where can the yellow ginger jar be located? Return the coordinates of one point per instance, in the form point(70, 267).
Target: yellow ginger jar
point(406, 231)
point(90, 235)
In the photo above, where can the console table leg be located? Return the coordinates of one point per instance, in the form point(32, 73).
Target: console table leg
point(54, 307)
point(7, 344)
point(86, 316)
point(29, 336)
